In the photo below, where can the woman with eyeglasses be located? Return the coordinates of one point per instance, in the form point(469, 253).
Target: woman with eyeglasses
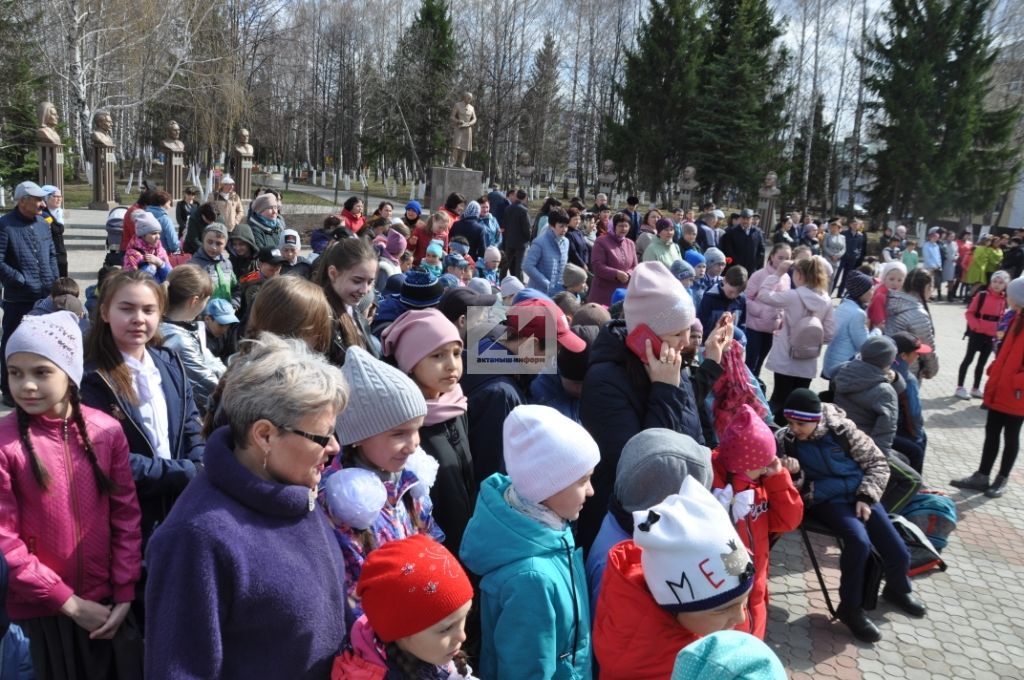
point(265, 221)
point(246, 579)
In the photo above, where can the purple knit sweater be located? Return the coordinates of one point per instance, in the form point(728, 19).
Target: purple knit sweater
point(244, 581)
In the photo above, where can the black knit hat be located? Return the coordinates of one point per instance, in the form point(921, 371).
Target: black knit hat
point(802, 405)
point(857, 283)
point(420, 290)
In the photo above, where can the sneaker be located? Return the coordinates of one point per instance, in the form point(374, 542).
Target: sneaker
point(977, 481)
point(859, 624)
point(998, 488)
point(977, 393)
point(961, 393)
point(908, 602)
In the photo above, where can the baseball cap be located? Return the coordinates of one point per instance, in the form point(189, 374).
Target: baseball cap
point(905, 342)
point(271, 256)
point(531, 318)
point(221, 311)
point(28, 189)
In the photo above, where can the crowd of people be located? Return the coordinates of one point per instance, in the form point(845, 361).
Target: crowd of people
point(466, 443)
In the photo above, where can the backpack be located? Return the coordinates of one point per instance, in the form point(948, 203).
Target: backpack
point(934, 514)
point(923, 555)
point(806, 336)
point(904, 483)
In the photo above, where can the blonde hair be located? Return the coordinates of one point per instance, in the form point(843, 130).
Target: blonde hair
point(291, 306)
point(812, 271)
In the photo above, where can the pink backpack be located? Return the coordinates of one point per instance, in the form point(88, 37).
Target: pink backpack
point(806, 336)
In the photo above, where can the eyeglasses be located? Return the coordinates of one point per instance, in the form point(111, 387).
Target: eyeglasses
point(318, 439)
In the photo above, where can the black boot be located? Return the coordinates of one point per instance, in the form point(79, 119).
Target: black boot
point(998, 487)
point(859, 624)
point(908, 602)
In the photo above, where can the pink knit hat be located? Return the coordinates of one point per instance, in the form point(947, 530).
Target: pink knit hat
point(747, 443)
point(656, 298)
point(396, 243)
point(417, 333)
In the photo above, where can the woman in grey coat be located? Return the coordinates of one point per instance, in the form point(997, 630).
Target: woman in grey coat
point(907, 310)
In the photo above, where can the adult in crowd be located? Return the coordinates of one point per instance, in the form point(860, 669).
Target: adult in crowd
point(516, 226)
point(744, 243)
point(492, 228)
point(579, 246)
point(227, 204)
point(907, 310)
point(352, 217)
point(472, 229)
point(497, 201)
point(786, 232)
point(53, 213)
point(454, 205)
point(707, 237)
point(29, 264)
point(612, 259)
point(159, 206)
point(185, 207)
point(265, 221)
point(548, 254)
point(257, 541)
point(856, 249)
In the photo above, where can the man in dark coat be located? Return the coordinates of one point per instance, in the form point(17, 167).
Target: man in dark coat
point(498, 202)
point(516, 228)
point(856, 244)
point(744, 243)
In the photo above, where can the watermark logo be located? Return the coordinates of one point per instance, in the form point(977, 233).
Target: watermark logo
point(524, 344)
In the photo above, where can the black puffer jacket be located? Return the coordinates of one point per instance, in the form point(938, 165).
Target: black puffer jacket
point(455, 490)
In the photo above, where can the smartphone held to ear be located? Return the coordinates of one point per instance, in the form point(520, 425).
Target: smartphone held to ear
point(636, 341)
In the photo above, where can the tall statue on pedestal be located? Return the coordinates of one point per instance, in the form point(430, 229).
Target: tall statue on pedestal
point(50, 147)
point(174, 161)
point(242, 154)
point(767, 197)
point(687, 183)
point(463, 119)
point(103, 162)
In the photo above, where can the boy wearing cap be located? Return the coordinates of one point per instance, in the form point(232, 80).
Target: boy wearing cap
point(213, 258)
point(291, 246)
point(684, 575)
point(866, 388)
point(534, 611)
point(270, 262)
point(222, 329)
point(845, 475)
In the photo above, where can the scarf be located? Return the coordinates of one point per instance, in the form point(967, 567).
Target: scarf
point(535, 511)
point(447, 406)
point(733, 389)
point(262, 221)
point(616, 237)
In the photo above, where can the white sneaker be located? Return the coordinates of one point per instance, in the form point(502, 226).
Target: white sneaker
point(977, 394)
point(961, 393)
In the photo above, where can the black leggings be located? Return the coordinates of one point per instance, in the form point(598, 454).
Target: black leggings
point(1009, 426)
point(784, 384)
point(982, 345)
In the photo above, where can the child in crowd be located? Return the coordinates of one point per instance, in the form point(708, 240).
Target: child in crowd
point(488, 268)
point(728, 654)
point(910, 256)
point(911, 439)
point(389, 249)
point(561, 391)
point(755, 487)
point(1002, 397)
point(380, 432)
point(431, 261)
point(92, 293)
point(510, 287)
point(907, 310)
point(423, 235)
point(866, 389)
point(844, 477)
point(456, 265)
point(983, 314)
point(851, 323)
point(415, 598)
point(762, 320)
point(132, 377)
point(685, 574)
point(212, 259)
point(347, 271)
point(682, 270)
point(695, 259)
point(893, 276)
point(145, 252)
point(725, 296)
point(291, 247)
point(188, 292)
point(426, 346)
point(534, 611)
point(270, 263)
point(221, 328)
point(65, 475)
point(63, 297)
point(893, 252)
point(243, 251)
point(574, 281)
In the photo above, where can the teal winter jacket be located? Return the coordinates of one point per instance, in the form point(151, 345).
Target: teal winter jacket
point(535, 614)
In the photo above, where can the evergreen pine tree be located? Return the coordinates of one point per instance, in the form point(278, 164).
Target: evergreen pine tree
point(18, 99)
point(733, 128)
point(941, 149)
point(659, 91)
point(541, 108)
point(425, 68)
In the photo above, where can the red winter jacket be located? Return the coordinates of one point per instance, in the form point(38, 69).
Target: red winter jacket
point(352, 222)
point(777, 509)
point(1004, 391)
point(986, 319)
point(423, 238)
point(70, 539)
point(633, 636)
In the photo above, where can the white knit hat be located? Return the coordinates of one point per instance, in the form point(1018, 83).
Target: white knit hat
point(546, 452)
point(383, 398)
point(510, 285)
point(355, 497)
point(55, 337)
point(693, 559)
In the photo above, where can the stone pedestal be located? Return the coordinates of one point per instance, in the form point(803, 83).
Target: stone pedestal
point(766, 209)
point(174, 174)
point(685, 199)
point(243, 175)
point(443, 181)
point(51, 165)
point(103, 163)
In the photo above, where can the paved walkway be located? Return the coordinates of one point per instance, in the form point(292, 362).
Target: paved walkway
point(974, 628)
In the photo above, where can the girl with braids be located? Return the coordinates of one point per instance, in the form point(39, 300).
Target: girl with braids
point(347, 271)
point(132, 377)
point(70, 522)
point(416, 597)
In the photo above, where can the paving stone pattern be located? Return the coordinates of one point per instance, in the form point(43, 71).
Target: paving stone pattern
point(974, 629)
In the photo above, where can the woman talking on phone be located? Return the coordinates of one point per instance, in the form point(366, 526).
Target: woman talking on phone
point(635, 380)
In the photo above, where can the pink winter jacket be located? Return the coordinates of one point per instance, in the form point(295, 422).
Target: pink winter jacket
point(794, 305)
point(70, 539)
point(760, 315)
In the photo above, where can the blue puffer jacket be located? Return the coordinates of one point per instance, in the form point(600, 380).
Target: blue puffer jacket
point(168, 233)
point(534, 611)
point(158, 481)
point(28, 259)
point(545, 261)
point(851, 331)
point(833, 472)
point(714, 303)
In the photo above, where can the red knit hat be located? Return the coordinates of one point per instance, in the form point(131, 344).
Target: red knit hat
point(747, 443)
point(409, 585)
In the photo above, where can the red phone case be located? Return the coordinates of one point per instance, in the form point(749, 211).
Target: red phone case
point(636, 342)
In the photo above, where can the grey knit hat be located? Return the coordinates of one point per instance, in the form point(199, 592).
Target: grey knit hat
point(654, 464)
point(383, 398)
point(714, 256)
point(878, 350)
